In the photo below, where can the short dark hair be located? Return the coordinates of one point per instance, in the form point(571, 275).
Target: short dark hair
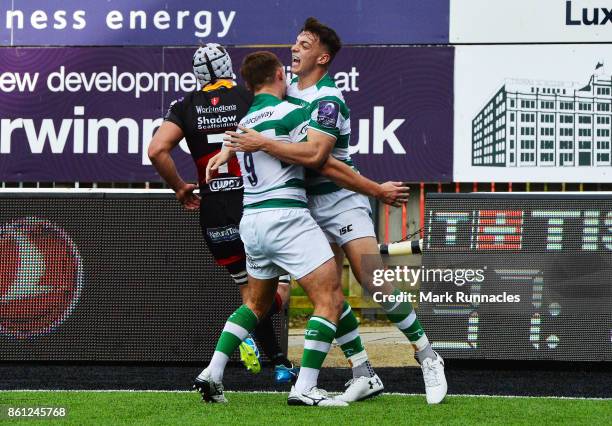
point(258, 68)
point(327, 36)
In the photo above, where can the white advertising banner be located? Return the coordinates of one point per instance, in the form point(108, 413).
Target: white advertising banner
point(533, 113)
point(527, 21)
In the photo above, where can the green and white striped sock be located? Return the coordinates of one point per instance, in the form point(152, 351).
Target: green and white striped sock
point(349, 340)
point(237, 328)
point(347, 335)
point(317, 342)
point(404, 317)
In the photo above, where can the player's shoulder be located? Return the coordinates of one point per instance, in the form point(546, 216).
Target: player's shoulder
point(222, 88)
point(330, 98)
point(186, 99)
point(327, 87)
point(240, 96)
point(286, 107)
point(179, 105)
point(330, 95)
point(290, 116)
point(179, 99)
point(239, 89)
point(263, 109)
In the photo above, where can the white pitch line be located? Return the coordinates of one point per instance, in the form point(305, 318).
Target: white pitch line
point(281, 392)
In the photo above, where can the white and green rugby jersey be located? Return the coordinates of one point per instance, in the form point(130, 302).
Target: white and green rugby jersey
point(328, 114)
point(268, 182)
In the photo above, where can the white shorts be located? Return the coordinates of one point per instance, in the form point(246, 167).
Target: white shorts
point(342, 215)
point(282, 241)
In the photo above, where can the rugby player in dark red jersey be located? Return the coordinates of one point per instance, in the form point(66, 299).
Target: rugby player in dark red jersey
point(202, 117)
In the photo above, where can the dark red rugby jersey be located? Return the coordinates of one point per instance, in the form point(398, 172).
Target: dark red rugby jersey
point(204, 116)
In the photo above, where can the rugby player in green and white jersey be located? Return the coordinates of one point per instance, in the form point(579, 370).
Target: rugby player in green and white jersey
point(343, 215)
point(279, 235)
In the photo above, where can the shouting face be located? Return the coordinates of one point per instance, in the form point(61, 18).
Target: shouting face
point(307, 53)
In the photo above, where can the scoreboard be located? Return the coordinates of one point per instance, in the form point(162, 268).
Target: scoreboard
point(546, 259)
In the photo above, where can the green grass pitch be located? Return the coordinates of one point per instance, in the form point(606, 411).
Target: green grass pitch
point(246, 408)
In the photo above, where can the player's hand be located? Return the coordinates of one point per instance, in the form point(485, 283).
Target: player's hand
point(187, 198)
point(248, 140)
point(217, 161)
point(394, 193)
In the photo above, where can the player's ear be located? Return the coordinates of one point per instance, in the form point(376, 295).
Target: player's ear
point(324, 59)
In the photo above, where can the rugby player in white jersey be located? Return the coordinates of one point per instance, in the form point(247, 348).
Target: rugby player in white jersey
point(280, 236)
point(201, 116)
point(343, 215)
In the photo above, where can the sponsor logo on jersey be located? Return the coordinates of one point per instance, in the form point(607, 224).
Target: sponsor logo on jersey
point(225, 184)
point(214, 101)
point(200, 109)
point(223, 234)
point(41, 277)
point(327, 114)
point(252, 120)
point(220, 122)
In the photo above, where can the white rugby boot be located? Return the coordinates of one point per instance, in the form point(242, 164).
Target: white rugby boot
point(362, 388)
point(315, 397)
point(435, 381)
point(210, 390)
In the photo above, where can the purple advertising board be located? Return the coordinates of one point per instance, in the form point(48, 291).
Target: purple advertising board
point(231, 22)
point(88, 114)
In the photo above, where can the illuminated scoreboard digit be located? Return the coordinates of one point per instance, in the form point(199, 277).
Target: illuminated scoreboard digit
point(547, 266)
point(499, 230)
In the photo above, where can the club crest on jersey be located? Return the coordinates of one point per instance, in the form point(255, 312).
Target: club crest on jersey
point(327, 114)
point(214, 101)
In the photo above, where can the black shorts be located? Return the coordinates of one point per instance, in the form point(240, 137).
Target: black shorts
point(220, 216)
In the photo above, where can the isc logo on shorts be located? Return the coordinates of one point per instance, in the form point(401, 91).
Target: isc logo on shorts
point(346, 229)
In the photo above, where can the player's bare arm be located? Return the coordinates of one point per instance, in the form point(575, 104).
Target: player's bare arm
point(217, 161)
point(312, 154)
point(164, 141)
point(392, 193)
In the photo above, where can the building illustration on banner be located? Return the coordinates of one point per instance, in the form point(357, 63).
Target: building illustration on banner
point(532, 123)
